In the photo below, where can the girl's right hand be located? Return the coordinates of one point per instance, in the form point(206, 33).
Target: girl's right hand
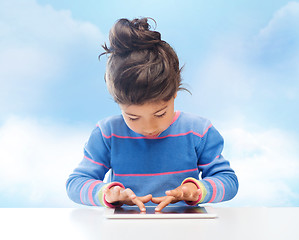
point(126, 196)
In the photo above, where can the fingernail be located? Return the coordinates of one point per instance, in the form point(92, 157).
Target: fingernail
point(157, 209)
point(143, 209)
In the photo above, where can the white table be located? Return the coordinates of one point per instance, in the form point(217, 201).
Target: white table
point(89, 223)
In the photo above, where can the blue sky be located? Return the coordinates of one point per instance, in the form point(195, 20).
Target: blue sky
point(241, 65)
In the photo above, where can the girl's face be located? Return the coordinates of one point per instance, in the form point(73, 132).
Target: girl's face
point(149, 119)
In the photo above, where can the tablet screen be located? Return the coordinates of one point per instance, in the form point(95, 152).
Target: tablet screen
point(166, 210)
point(130, 212)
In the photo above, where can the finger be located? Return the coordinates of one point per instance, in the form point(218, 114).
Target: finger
point(130, 198)
point(127, 194)
point(177, 193)
point(139, 203)
point(134, 199)
point(164, 203)
point(191, 196)
point(197, 194)
point(146, 198)
point(186, 193)
point(157, 200)
point(194, 196)
point(112, 194)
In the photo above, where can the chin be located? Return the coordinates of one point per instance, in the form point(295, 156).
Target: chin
point(152, 135)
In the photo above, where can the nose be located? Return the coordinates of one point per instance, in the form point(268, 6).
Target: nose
point(149, 128)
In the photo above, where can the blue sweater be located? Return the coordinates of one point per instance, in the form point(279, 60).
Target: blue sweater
point(189, 148)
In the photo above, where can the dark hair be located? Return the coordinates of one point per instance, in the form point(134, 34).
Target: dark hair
point(142, 67)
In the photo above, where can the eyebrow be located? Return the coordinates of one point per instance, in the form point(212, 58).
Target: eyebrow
point(153, 113)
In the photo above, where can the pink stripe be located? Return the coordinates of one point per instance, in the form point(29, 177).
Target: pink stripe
point(204, 133)
point(153, 174)
point(82, 190)
point(214, 189)
point(90, 189)
point(101, 164)
point(200, 165)
point(170, 135)
point(223, 190)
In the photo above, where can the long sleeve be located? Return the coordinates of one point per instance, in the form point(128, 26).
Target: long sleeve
point(85, 184)
point(190, 146)
point(218, 179)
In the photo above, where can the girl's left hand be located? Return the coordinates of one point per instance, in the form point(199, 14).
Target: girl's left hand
point(185, 192)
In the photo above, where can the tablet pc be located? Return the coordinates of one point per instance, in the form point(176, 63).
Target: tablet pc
point(130, 212)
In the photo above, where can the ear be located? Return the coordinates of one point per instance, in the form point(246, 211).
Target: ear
point(175, 95)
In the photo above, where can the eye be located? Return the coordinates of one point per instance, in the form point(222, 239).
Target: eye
point(161, 115)
point(133, 119)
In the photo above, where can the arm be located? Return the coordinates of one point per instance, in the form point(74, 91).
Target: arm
point(85, 185)
point(219, 182)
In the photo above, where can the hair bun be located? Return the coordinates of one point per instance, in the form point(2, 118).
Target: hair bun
point(127, 36)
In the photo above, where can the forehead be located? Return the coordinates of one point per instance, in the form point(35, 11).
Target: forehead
point(152, 107)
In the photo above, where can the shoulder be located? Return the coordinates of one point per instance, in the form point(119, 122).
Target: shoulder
point(195, 123)
point(111, 121)
point(112, 125)
point(194, 119)
point(201, 128)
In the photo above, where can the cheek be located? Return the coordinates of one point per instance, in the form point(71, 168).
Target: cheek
point(165, 123)
point(132, 125)
point(170, 119)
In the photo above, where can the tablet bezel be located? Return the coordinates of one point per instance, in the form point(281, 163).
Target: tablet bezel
point(210, 213)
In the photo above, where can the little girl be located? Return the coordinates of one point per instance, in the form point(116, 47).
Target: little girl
point(156, 155)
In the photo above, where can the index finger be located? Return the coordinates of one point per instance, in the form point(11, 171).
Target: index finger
point(134, 199)
point(177, 193)
point(158, 200)
point(139, 203)
point(164, 203)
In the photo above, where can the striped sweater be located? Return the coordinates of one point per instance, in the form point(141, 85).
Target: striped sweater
point(188, 150)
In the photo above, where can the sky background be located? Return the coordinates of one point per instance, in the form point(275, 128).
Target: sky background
point(240, 62)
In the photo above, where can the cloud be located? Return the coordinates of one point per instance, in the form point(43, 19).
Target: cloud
point(275, 49)
point(36, 160)
point(275, 53)
point(39, 46)
point(278, 42)
point(241, 80)
point(253, 77)
point(266, 164)
point(38, 156)
point(249, 87)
